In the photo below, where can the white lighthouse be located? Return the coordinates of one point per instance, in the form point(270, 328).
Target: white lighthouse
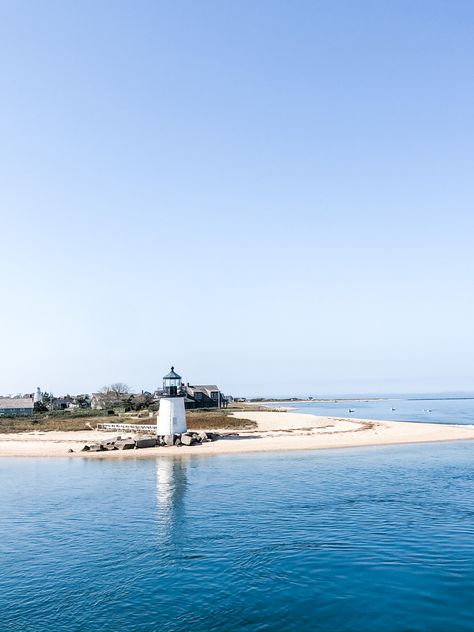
point(38, 396)
point(171, 418)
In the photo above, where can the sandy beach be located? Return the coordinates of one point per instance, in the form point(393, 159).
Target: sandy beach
point(277, 431)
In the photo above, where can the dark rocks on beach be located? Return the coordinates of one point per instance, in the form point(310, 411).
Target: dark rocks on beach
point(138, 442)
point(125, 444)
point(145, 443)
point(187, 439)
point(204, 437)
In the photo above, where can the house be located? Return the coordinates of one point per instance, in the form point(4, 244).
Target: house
point(64, 403)
point(16, 406)
point(204, 396)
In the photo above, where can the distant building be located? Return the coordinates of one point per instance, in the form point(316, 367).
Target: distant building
point(16, 406)
point(63, 403)
point(97, 401)
point(38, 396)
point(204, 396)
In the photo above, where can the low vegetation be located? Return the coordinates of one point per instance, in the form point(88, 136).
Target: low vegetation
point(46, 423)
point(88, 420)
point(216, 420)
point(252, 407)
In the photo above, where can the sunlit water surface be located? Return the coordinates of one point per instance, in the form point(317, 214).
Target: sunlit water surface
point(459, 411)
point(371, 539)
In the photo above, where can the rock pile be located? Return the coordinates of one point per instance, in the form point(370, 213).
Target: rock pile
point(140, 441)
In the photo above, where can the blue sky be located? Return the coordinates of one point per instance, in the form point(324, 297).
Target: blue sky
point(275, 196)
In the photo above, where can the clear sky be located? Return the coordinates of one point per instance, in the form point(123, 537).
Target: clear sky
point(273, 195)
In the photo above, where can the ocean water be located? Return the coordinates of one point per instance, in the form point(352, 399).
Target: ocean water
point(368, 539)
point(414, 408)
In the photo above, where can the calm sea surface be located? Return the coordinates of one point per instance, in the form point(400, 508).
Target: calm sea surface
point(446, 411)
point(368, 539)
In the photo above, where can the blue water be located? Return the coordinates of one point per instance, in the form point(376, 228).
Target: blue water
point(368, 539)
point(446, 411)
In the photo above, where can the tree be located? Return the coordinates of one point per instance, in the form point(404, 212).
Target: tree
point(142, 400)
point(83, 400)
point(114, 395)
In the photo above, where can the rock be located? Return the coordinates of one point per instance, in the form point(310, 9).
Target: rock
point(145, 443)
point(203, 437)
point(187, 439)
point(71, 450)
point(125, 444)
point(108, 446)
point(169, 439)
point(94, 447)
point(177, 441)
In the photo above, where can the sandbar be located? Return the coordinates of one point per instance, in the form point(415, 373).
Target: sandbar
point(276, 431)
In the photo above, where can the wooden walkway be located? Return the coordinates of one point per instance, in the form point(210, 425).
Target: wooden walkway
point(128, 427)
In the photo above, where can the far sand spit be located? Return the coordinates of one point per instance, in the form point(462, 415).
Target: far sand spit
point(276, 431)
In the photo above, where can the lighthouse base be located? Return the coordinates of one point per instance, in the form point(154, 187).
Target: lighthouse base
point(171, 418)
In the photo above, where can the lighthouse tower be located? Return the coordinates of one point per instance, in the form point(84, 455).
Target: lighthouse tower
point(171, 417)
point(38, 396)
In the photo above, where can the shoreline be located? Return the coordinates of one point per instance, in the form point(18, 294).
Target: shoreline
point(276, 432)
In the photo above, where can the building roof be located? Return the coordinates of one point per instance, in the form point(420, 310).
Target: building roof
point(16, 402)
point(172, 375)
point(203, 388)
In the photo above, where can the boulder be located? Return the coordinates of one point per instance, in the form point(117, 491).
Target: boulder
point(86, 448)
point(187, 439)
point(95, 447)
point(125, 444)
point(70, 450)
point(177, 441)
point(147, 442)
point(203, 437)
point(169, 439)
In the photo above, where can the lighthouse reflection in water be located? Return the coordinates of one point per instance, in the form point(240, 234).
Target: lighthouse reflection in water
point(171, 484)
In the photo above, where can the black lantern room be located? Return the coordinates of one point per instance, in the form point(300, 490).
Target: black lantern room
point(172, 384)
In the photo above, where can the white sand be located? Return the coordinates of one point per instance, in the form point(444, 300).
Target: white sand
point(276, 431)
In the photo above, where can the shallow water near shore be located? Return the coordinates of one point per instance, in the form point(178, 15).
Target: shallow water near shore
point(427, 409)
point(366, 539)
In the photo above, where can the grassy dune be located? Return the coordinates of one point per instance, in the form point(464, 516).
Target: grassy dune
point(197, 420)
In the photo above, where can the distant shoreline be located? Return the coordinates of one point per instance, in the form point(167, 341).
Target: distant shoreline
point(335, 400)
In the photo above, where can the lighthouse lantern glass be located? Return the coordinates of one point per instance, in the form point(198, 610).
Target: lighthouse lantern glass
point(172, 383)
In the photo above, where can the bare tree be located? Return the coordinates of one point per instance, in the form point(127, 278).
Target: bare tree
point(114, 394)
point(119, 389)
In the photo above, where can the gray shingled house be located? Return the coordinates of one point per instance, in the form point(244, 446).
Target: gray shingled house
point(205, 396)
point(16, 406)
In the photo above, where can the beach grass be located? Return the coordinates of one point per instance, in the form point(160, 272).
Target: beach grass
point(216, 420)
point(60, 421)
